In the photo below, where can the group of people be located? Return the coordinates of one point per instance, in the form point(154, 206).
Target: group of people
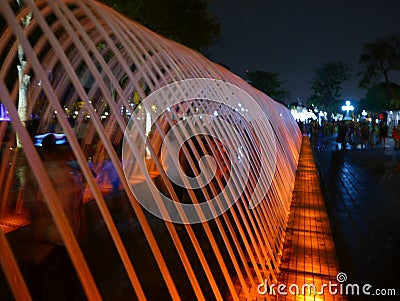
point(360, 135)
point(365, 134)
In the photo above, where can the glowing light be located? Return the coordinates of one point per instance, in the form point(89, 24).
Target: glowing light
point(348, 106)
point(4, 114)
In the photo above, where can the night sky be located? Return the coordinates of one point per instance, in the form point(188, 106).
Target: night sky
point(295, 37)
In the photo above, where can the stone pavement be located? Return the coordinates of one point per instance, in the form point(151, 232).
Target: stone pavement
point(309, 257)
point(362, 192)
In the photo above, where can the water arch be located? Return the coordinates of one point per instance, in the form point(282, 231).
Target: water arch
point(186, 129)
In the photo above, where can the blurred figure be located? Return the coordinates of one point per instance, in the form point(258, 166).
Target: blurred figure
point(396, 137)
point(373, 135)
point(301, 126)
point(107, 176)
point(68, 185)
point(364, 135)
point(51, 274)
point(341, 137)
point(383, 133)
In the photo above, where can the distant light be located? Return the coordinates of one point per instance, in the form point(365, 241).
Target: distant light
point(303, 114)
point(348, 106)
point(4, 114)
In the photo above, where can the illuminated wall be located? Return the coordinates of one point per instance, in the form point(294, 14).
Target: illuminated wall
point(194, 147)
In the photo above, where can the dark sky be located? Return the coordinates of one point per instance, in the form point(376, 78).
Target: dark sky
point(295, 37)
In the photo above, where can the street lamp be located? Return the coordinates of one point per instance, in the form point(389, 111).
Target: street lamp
point(364, 114)
point(348, 107)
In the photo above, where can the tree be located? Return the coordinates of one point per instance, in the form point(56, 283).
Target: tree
point(24, 79)
point(380, 58)
point(327, 84)
point(186, 21)
point(379, 97)
point(267, 82)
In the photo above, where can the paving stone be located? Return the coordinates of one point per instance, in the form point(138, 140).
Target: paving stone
point(362, 189)
point(309, 256)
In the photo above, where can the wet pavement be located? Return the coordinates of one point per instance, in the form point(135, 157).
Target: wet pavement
point(362, 195)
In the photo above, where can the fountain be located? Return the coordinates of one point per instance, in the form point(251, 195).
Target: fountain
point(202, 164)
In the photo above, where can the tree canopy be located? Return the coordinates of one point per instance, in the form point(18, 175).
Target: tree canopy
point(186, 21)
point(269, 83)
point(379, 97)
point(326, 84)
point(379, 59)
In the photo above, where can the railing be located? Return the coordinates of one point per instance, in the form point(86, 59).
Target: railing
point(185, 171)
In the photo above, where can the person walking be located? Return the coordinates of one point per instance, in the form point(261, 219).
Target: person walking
point(373, 135)
point(396, 137)
point(383, 133)
point(364, 135)
point(341, 137)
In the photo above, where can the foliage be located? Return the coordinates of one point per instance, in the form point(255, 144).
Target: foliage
point(186, 21)
point(268, 83)
point(327, 84)
point(380, 58)
point(379, 97)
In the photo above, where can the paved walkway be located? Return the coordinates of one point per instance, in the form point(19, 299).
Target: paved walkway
point(362, 189)
point(309, 256)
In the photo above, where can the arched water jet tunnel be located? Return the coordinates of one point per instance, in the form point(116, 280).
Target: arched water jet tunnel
point(164, 174)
